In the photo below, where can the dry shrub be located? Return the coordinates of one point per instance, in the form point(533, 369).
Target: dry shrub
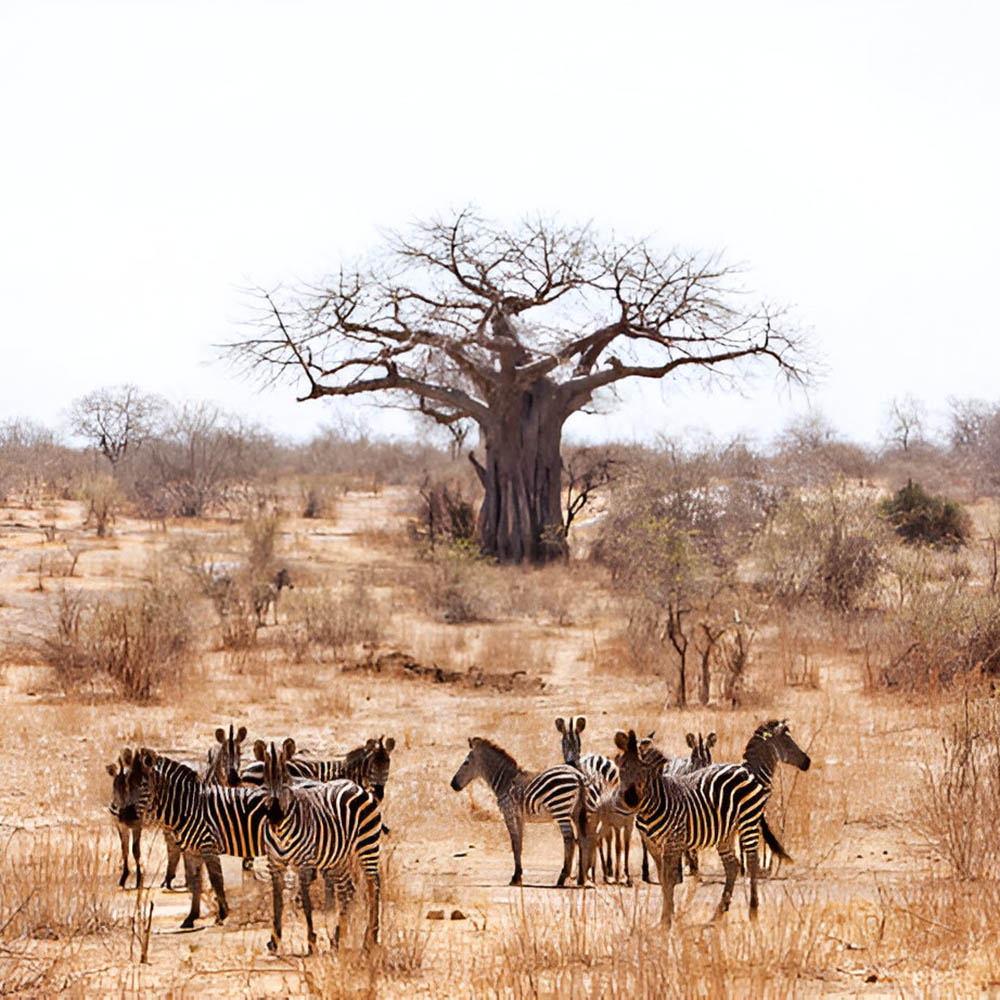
point(940, 634)
point(958, 805)
point(461, 586)
point(53, 885)
point(133, 642)
point(331, 622)
point(317, 496)
point(103, 499)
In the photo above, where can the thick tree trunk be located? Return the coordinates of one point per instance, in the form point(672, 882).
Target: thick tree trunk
point(521, 515)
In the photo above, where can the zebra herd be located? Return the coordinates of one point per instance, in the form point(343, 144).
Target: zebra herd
point(307, 815)
point(325, 816)
point(680, 805)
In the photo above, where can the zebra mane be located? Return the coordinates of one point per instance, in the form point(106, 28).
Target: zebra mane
point(497, 753)
point(175, 769)
point(354, 757)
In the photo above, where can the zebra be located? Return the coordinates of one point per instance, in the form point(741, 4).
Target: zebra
point(204, 820)
point(701, 756)
point(312, 827)
point(706, 808)
point(265, 595)
point(223, 769)
point(601, 777)
point(366, 765)
point(558, 793)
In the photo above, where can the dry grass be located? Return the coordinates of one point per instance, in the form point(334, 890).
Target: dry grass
point(880, 897)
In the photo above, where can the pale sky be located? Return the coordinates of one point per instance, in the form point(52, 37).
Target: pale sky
point(158, 157)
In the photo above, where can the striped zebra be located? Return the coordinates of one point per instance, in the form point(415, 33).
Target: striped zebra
point(366, 765)
point(558, 793)
point(312, 827)
point(701, 756)
point(706, 808)
point(222, 769)
point(205, 820)
point(601, 775)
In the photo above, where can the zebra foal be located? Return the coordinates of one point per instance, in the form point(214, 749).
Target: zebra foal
point(611, 828)
point(312, 827)
point(558, 793)
point(705, 809)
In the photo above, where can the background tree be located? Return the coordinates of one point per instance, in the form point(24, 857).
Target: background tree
point(115, 418)
point(905, 419)
point(515, 329)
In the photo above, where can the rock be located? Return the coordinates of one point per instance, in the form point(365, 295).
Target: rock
point(435, 914)
point(457, 915)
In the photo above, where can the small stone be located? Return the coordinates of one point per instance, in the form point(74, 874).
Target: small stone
point(457, 915)
point(871, 978)
point(435, 914)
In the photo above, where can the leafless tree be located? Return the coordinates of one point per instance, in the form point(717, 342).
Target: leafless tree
point(515, 329)
point(115, 419)
point(905, 420)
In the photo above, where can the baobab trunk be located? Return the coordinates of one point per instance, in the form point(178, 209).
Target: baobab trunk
point(521, 515)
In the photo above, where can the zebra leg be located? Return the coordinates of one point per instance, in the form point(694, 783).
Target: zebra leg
point(627, 838)
point(374, 905)
point(214, 866)
point(123, 834)
point(667, 865)
point(516, 831)
point(277, 903)
point(645, 862)
point(173, 857)
point(192, 875)
point(692, 860)
point(339, 883)
point(732, 867)
point(753, 866)
point(617, 836)
point(306, 877)
point(569, 845)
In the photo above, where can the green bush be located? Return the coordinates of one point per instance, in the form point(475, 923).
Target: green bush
point(920, 518)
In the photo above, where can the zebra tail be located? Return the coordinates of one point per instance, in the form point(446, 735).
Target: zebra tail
point(772, 841)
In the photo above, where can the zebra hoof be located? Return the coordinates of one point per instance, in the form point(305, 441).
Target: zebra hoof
point(187, 924)
point(516, 880)
point(272, 944)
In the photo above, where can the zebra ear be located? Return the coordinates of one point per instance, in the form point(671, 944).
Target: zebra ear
point(560, 725)
point(220, 735)
point(470, 743)
point(112, 769)
point(288, 748)
point(126, 756)
point(710, 740)
point(621, 740)
point(581, 722)
point(147, 757)
point(241, 734)
point(690, 740)
point(370, 744)
point(390, 745)
point(259, 750)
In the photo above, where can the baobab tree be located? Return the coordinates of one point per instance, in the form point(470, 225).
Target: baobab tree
point(515, 329)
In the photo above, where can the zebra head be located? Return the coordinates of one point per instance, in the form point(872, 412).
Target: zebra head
point(277, 782)
point(701, 749)
point(139, 786)
point(377, 765)
point(571, 729)
point(633, 770)
point(119, 780)
point(283, 579)
point(224, 761)
point(770, 743)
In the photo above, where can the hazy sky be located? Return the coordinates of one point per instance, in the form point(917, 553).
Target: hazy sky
point(157, 157)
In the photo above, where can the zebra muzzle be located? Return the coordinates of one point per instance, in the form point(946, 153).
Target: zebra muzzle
point(631, 797)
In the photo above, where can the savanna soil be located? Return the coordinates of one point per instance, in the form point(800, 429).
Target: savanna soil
point(866, 908)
